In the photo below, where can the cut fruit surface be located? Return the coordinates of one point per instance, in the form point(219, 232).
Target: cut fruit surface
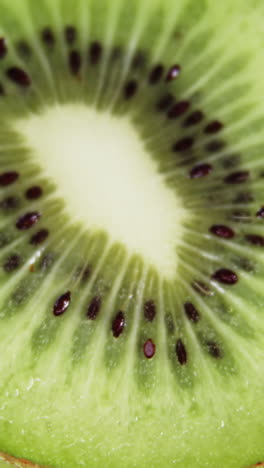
point(131, 233)
point(107, 180)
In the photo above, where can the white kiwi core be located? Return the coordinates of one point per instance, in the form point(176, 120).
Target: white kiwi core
point(108, 179)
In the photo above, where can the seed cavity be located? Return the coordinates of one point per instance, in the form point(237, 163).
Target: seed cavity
point(12, 263)
point(19, 77)
point(156, 74)
point(70, 34)
point(27, 221)
point(62, 304)
point(201, 170)
point(118, 324)
point(3, 47)
point(39, 237)
point(149, 349)
point(223, 231)
point(255, 239)
point(48, 37)
point(183, 144)
point(94, 308)
point(75, 62)
point(149, 311)
point(173, 72)
point(213, 349)
point(8, 178)
point(181, 352)
point(130, 89)
point(165, 102)
point(202, 288)
point(213, 127)
point(33, 193)
point(225, 276)
point(191, 312)
point(95, 52)
point(237, 177)
point(193, 119)
point(178, 109)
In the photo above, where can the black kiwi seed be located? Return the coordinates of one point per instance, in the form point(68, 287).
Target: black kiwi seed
point(12, 263)
point(86, 273)
point(243, 197)
point(181, 352)
point(70, 34)
point(223, 231)
point(155, 74)
point(215, 146)
point(194, 118)
point(138, 60)
point(149, 349)
point(39, 237)
point(95, 52)
point(19, 77)
point(191, 312)
point(225, 276)
point(237, 177)
point(33, 193)
point(200, 171)
point(3, 47)
point(9, 203)
point(178, 109)
point(62, 304)
point(173, 72)
point(23, 49)
point(2, 90)
point(213, 349)
point(94, 308)
point(27, 221)
point(230, 161)
point(48, 37)
point(165, 102)
point(8, 178)
point(130, 89)
point(260, 212)
point(213, 127)
point(183, 144)
point(255, 239)
point(75, 61)
point(118, 324)
point(149, 310)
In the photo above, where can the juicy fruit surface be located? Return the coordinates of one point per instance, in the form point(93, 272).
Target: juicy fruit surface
point(131, 340)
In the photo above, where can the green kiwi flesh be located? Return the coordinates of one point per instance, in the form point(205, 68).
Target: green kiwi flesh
point(131, 233)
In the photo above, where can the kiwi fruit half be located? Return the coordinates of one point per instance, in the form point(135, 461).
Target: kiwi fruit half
point(131, 233)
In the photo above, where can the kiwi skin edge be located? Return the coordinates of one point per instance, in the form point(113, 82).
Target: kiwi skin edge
point(21, 463)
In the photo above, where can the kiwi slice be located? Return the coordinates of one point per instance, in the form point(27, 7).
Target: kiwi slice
point(131, 233)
